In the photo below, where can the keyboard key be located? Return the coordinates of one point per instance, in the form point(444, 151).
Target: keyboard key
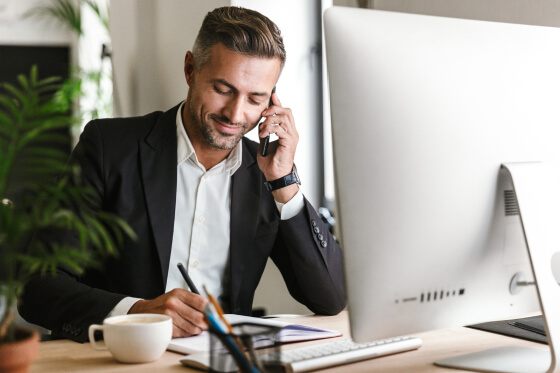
point(339, 352)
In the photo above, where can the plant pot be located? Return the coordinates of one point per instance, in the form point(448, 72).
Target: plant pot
point(15, 357)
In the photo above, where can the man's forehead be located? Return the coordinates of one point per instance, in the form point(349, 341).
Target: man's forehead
point(233, 68)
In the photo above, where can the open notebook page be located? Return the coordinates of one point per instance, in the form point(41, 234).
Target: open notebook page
point(288, 333)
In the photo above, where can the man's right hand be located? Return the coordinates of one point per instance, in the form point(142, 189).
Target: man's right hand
point(184, 307)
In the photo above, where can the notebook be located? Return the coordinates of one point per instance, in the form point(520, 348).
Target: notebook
point(288, 333)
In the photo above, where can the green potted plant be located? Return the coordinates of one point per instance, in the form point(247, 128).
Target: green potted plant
point(32, 199)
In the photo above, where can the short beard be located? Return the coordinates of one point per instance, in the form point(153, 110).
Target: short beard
point(211, 137)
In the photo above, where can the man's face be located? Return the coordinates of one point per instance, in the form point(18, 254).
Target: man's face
point(227, 96)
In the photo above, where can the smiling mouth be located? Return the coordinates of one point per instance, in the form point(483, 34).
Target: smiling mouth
point(226, 128)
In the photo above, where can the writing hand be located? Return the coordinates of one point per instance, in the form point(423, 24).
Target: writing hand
point(279, 162)
point(184, 307)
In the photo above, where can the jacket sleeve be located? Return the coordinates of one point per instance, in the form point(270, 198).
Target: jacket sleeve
point(310, 261)
point(65, 306)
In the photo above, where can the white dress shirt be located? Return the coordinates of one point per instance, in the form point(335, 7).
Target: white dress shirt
point(201, 229)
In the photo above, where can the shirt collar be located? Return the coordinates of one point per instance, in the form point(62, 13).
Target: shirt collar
point(185, 150)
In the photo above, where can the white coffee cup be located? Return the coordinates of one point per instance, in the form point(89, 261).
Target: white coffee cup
point(135, 338)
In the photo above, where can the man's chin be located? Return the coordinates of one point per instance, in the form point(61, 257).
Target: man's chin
point(225, 142)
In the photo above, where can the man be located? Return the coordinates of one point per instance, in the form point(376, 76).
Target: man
point(197, 192)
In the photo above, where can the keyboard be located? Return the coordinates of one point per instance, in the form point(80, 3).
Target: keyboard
point(305, 359)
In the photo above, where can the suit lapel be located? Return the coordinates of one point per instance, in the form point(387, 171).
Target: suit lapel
point(245, 207)
point(158, 158)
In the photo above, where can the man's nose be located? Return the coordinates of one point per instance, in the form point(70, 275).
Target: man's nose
point(234, 110)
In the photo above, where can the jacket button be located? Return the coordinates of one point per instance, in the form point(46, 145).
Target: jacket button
point(324, 243)
point(313, 223)
point(316, 230)
point(320, 237)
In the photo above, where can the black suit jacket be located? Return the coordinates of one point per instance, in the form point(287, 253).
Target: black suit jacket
point(131, 163)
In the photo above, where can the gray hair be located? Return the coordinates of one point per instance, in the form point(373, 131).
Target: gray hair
point(240, 30)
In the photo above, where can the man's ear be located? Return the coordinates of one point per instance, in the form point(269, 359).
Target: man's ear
point(189, 68)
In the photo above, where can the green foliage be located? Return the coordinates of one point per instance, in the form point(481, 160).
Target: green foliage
point(66, 12)
point(101, 13)
point(33, 118)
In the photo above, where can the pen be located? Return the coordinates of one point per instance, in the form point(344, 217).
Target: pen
point(188, 279)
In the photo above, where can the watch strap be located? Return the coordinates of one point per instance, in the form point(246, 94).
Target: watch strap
point(291, 178)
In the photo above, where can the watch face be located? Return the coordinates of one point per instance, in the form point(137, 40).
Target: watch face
point(296, 174)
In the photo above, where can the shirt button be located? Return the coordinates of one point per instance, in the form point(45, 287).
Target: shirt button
point(205, 176)
point(201, 218)
point(195, 264)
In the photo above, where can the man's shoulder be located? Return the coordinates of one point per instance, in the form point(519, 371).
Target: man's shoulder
point(125, 126)
point(155, 125)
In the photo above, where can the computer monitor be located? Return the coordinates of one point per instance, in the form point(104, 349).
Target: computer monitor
point(430, 115)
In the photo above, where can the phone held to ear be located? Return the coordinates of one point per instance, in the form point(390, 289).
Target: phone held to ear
point(267, 138)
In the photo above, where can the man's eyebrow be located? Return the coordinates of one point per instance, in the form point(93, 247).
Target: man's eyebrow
point(233, 88)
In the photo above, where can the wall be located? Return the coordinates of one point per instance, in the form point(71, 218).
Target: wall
point(17, 30)
point(530, 12)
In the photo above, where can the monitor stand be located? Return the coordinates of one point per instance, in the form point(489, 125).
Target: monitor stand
point(537, 189)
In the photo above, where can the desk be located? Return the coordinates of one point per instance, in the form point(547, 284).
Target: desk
point(67, 356)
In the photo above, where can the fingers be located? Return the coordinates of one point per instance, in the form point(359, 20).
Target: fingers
point(184, 307)
point(276, 115)
point(188, 308)
point(275, 100)
point(280, 121)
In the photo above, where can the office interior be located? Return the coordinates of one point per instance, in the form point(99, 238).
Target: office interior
point(144, 65)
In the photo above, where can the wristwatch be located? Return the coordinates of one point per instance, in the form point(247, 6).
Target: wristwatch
point(283, 182)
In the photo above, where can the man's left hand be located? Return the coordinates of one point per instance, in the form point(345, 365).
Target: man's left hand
point(280, 158)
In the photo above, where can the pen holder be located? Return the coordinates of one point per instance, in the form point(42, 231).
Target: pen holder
point(252, 342)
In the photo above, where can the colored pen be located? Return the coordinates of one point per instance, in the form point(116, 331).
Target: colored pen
point(218, 308)
point(188, 279)
point(228, 342)
point(222, 315)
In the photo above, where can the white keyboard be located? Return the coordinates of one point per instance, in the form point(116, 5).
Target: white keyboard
point(305, 359)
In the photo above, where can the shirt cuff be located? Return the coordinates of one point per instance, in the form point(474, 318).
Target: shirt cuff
point(291, 208)
point(123, 306)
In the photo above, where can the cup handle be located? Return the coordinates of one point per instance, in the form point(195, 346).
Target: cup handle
point(92, 329)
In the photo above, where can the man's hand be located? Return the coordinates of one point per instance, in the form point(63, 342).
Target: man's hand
point(184, 307)
point(280, 159)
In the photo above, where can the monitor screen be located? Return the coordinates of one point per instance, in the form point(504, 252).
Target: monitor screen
point(425, 110)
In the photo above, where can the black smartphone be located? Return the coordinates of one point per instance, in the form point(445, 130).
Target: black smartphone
point(267, 138)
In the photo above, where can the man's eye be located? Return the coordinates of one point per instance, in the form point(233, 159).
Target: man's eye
point(219, 91)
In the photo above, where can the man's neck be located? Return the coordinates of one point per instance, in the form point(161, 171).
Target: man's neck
point(207, 155)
